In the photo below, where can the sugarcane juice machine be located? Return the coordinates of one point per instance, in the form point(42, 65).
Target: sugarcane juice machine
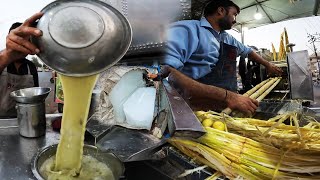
point(295, 90)
point(296, 82)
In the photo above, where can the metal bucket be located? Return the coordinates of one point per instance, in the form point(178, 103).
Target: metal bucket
point(115, 165)
point(31, 119)
point(31, 112)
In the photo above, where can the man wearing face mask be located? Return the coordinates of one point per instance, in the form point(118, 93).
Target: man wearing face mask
point(201, 59)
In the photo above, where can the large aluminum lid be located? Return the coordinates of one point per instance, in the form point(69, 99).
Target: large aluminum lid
point(82, 37)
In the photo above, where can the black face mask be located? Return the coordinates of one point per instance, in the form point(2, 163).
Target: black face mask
point(224, 23)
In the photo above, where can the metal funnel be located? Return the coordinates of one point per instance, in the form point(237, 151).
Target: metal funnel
point(30, 95)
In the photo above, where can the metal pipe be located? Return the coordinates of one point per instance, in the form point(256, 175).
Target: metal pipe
point(269, 17)
point(253, 4)
point(242, 33)
point(316, 7)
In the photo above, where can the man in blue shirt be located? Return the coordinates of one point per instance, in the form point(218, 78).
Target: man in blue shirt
point(206, 54)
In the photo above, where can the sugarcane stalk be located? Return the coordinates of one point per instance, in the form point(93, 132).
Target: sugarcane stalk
point(234, 166)
point(264, 155)
point(248, 93)
point(191, 154)
point(277, 168)
point(256, 88)
point(274, 53)
point(282, 136)
point(275, 125)
point(220, 162)
point(257, 91)
point(264, 89)
point(275, 118)
point(215, 176)
point(265, 93)
point(262, 93)
point(235, 156)
point(267, 154)
point(191, 171)
point(296, 123)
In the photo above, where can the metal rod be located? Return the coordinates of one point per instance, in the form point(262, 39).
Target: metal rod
point(316, 7)
point(253, 4)
point(7, 127)
point(242, 33)
point(269, 17)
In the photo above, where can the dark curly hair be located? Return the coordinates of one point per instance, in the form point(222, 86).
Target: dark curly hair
point(213, 5)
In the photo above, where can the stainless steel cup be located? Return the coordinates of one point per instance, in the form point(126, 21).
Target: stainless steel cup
point(31, 119)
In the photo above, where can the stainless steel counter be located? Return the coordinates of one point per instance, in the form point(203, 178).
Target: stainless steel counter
point(16, 152)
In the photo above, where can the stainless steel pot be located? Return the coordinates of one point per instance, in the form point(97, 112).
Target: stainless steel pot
point(31, 119)
point(31, 111)
point(109, 159)
point(82, 37)
point(30, 95)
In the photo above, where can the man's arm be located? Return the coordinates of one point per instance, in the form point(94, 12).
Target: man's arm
point(271, 68)
point(195, 89)
point(4, 60)
point(246, 51)
point(18, 44)
point(182, 41)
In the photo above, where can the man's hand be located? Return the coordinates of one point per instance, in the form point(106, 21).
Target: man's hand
point(18, 43)
point(274, 70)
point(271, 68)
point(241, 103)
point(164, 72)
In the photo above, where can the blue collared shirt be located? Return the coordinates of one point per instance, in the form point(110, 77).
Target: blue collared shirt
point(193, 47)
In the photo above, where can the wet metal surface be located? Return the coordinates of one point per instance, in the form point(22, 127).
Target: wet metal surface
point(130, 145)
point(279, 107)
point(183, 122)
point(316, 92)
point(96, 128)
point(300, 76)
point(16, 151)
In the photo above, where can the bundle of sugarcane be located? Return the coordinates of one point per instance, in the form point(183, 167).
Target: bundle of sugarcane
point(283, 47)
point(304, 139)
point(208, 156)
point(260, 91)
point(235, 156)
